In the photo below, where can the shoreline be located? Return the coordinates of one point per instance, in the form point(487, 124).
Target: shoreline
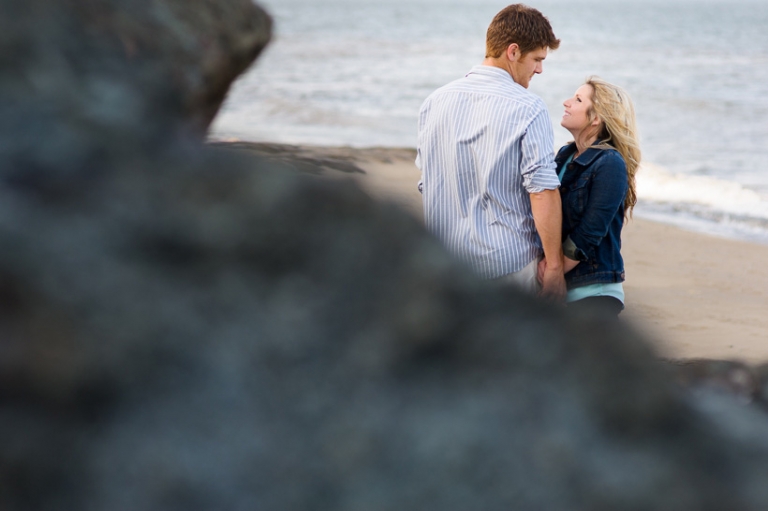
point(694, 295)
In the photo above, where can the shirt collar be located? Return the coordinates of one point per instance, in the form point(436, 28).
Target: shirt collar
point(493, 71)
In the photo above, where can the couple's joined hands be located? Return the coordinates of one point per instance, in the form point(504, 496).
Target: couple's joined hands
point(552, 278)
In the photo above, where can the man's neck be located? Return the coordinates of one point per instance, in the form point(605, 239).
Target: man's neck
point(501, 63)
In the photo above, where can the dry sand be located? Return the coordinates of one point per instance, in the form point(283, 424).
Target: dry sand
point(696, 296)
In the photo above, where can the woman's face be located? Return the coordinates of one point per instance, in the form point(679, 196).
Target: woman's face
point(575, 117)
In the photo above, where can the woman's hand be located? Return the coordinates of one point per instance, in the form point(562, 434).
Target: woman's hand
point(569, 264)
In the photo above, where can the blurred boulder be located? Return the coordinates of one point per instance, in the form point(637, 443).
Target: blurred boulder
point(729, 377)
point(201, 331)
point(745, 383)
point(143, 69)
point(185, 328)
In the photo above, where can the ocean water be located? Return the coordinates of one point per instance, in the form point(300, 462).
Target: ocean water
point(354, 72)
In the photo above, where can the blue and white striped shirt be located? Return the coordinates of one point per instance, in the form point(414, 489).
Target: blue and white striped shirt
point(484, 144)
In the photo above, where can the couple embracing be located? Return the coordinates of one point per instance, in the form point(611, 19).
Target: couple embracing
point(496, 194)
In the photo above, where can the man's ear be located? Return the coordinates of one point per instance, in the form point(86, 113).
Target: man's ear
point(513, 52)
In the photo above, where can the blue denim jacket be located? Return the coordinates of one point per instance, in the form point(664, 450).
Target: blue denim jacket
point(593, 189)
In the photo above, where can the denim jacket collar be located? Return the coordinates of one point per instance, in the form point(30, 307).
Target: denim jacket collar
point(584, 159)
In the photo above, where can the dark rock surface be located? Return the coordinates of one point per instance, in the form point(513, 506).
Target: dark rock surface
point(185, 328)
point(310, 160)
point(143, 69)
point(746, 383)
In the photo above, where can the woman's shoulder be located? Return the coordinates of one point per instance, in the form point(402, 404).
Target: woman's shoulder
point(611, 157)
point(610, 166)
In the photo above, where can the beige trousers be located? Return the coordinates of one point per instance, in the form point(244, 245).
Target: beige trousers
point(525, 279)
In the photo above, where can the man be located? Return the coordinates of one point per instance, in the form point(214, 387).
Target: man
point(486, 153)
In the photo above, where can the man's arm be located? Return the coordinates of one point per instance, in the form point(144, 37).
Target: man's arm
point(548, 217)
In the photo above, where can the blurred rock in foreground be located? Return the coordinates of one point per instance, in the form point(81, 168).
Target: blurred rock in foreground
point(188, 329)
point(142, 69)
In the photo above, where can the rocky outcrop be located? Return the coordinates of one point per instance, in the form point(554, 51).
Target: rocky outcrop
point(745, 383)
point(203, 332)
point(188, 328)
point(139, 67)
point(215, 42)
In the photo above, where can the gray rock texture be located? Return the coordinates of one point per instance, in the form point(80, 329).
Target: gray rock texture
point(187, 328)
point(143, 69)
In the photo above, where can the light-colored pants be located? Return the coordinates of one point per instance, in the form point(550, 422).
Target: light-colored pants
point(526, 279)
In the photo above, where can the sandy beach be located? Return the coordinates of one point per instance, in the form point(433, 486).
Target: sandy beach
point(696, 296)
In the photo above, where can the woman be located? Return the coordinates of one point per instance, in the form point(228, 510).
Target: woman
point(597, 175)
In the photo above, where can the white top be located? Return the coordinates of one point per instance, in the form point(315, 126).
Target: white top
point(484, 144)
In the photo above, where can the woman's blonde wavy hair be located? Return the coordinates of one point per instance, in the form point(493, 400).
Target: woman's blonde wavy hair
point(618, 129)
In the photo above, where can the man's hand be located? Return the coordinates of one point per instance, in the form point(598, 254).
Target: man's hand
point(540, 270)
point(552, 281)
point(547, 215)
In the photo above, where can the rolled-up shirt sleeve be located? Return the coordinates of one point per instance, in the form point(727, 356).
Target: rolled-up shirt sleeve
point(537, 164)
point(571, 251)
